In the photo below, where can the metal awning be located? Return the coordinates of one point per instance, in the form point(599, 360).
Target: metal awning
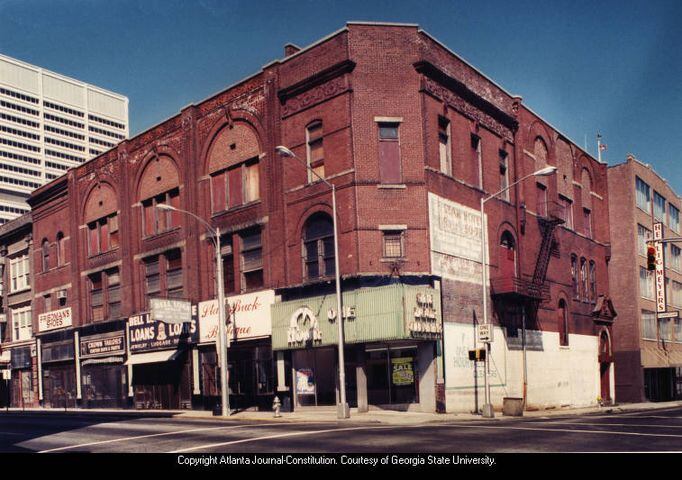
point(153, 357)
point(101, 360)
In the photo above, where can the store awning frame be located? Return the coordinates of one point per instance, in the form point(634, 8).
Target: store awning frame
point(153, 357)
point(101, 360)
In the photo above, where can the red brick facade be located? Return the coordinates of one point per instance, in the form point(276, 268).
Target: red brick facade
point(362, 77)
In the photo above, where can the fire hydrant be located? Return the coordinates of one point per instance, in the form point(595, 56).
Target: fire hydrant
point(276, 406)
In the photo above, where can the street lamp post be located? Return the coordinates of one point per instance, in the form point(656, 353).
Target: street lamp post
point(222, 342)
point(342, 409)
point(543, 172)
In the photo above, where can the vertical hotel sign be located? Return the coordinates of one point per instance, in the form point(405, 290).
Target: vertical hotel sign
point(660, 268)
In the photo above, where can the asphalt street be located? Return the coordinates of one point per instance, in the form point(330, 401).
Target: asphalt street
point(641, 431)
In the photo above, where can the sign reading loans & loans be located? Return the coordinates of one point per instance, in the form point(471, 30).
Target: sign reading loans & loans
point(147, 334)
point(249, 317)
point(55, 319)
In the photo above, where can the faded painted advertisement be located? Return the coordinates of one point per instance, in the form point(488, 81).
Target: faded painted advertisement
point(455, 232)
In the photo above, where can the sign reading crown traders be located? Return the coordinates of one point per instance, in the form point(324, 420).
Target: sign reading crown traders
point(55, 319)
point(248, 317)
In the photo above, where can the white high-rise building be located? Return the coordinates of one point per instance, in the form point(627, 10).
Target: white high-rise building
point(48, 124)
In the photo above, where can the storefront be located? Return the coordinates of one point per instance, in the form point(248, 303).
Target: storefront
point(249, 357)
point(159, 362)
point(390, 347)
point(58, 379)
point(103, 373)
point(23, 385)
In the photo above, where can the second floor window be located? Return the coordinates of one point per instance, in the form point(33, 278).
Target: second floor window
point(318, 247)
point(251, 261)
point(315, 151)
point(574, 277)
point(105, 295)
point(593, 281)
point(646, 283)
point(19, 273)
point(393, 244)
point(390, 170)
point(45, 255)
point(22, 324)
point(103, 235)
point(584, 280)
point(157, 220)
point(643, 234)
point(164, 276)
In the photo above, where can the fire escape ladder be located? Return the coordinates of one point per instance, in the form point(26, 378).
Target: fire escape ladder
point(544, 254)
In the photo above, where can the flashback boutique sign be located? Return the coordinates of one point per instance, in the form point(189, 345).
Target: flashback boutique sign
point(147, 334)
point(55, 319)
point(248, 317)
point(455, 232)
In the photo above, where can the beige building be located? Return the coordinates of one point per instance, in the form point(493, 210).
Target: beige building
point(648, 349)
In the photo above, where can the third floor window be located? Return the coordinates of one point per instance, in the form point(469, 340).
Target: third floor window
point(235, 186)
point(156, 220)
point(315, 151)
point(103, 235)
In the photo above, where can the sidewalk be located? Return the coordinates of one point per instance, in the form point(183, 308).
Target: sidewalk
point(388, 417)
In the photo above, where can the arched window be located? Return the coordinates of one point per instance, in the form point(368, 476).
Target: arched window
point(159, 185)
point(562, 319)
point(507, 255)
point(45, 255)
point(61, 252)
point(318, 246)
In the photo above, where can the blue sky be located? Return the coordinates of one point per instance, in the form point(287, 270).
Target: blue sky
point(585, 66)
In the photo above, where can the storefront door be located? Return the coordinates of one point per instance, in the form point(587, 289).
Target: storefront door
point(315, 377)
point(391, 375)
point(104, 386)
point(59, 386)
point(163, 385)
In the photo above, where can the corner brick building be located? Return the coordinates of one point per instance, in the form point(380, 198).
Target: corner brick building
point(648, 350)
point(412, 137)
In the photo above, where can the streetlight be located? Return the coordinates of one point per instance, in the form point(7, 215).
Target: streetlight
point(342, 410)
point(543, 172)
point(222, 342)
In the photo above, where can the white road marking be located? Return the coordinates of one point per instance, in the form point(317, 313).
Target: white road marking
point(175, 432)
point(554, 422)
point(316, 432)
point(283, 435)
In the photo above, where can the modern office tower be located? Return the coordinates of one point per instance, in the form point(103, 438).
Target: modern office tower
point(48, 124)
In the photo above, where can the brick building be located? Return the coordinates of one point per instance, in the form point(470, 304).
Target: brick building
point(17, 342)
point(648, 350)
point(412, 137)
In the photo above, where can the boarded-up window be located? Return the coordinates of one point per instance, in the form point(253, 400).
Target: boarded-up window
point(586, 183)
point(235, 186)
point(315, 151)
point(540, 153)
point(218, 192)
point(444, 147)
point(477, 146)
point(389, 154)
point(565, 169)
point(252, 180)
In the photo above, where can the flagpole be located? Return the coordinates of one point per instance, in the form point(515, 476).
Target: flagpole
point(599, 147)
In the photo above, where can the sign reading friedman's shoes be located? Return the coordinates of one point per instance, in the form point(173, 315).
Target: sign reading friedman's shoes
point(147, 334)
point(55, 319)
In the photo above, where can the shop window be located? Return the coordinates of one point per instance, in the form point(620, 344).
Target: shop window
point(444, 145)
point(562, 319)
point(251, 261)
point(157, 220)
point(235, 186)
point(315, 151)
point(103, 235)
point(389, 153)
point(318, 247)
point(393, 244)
